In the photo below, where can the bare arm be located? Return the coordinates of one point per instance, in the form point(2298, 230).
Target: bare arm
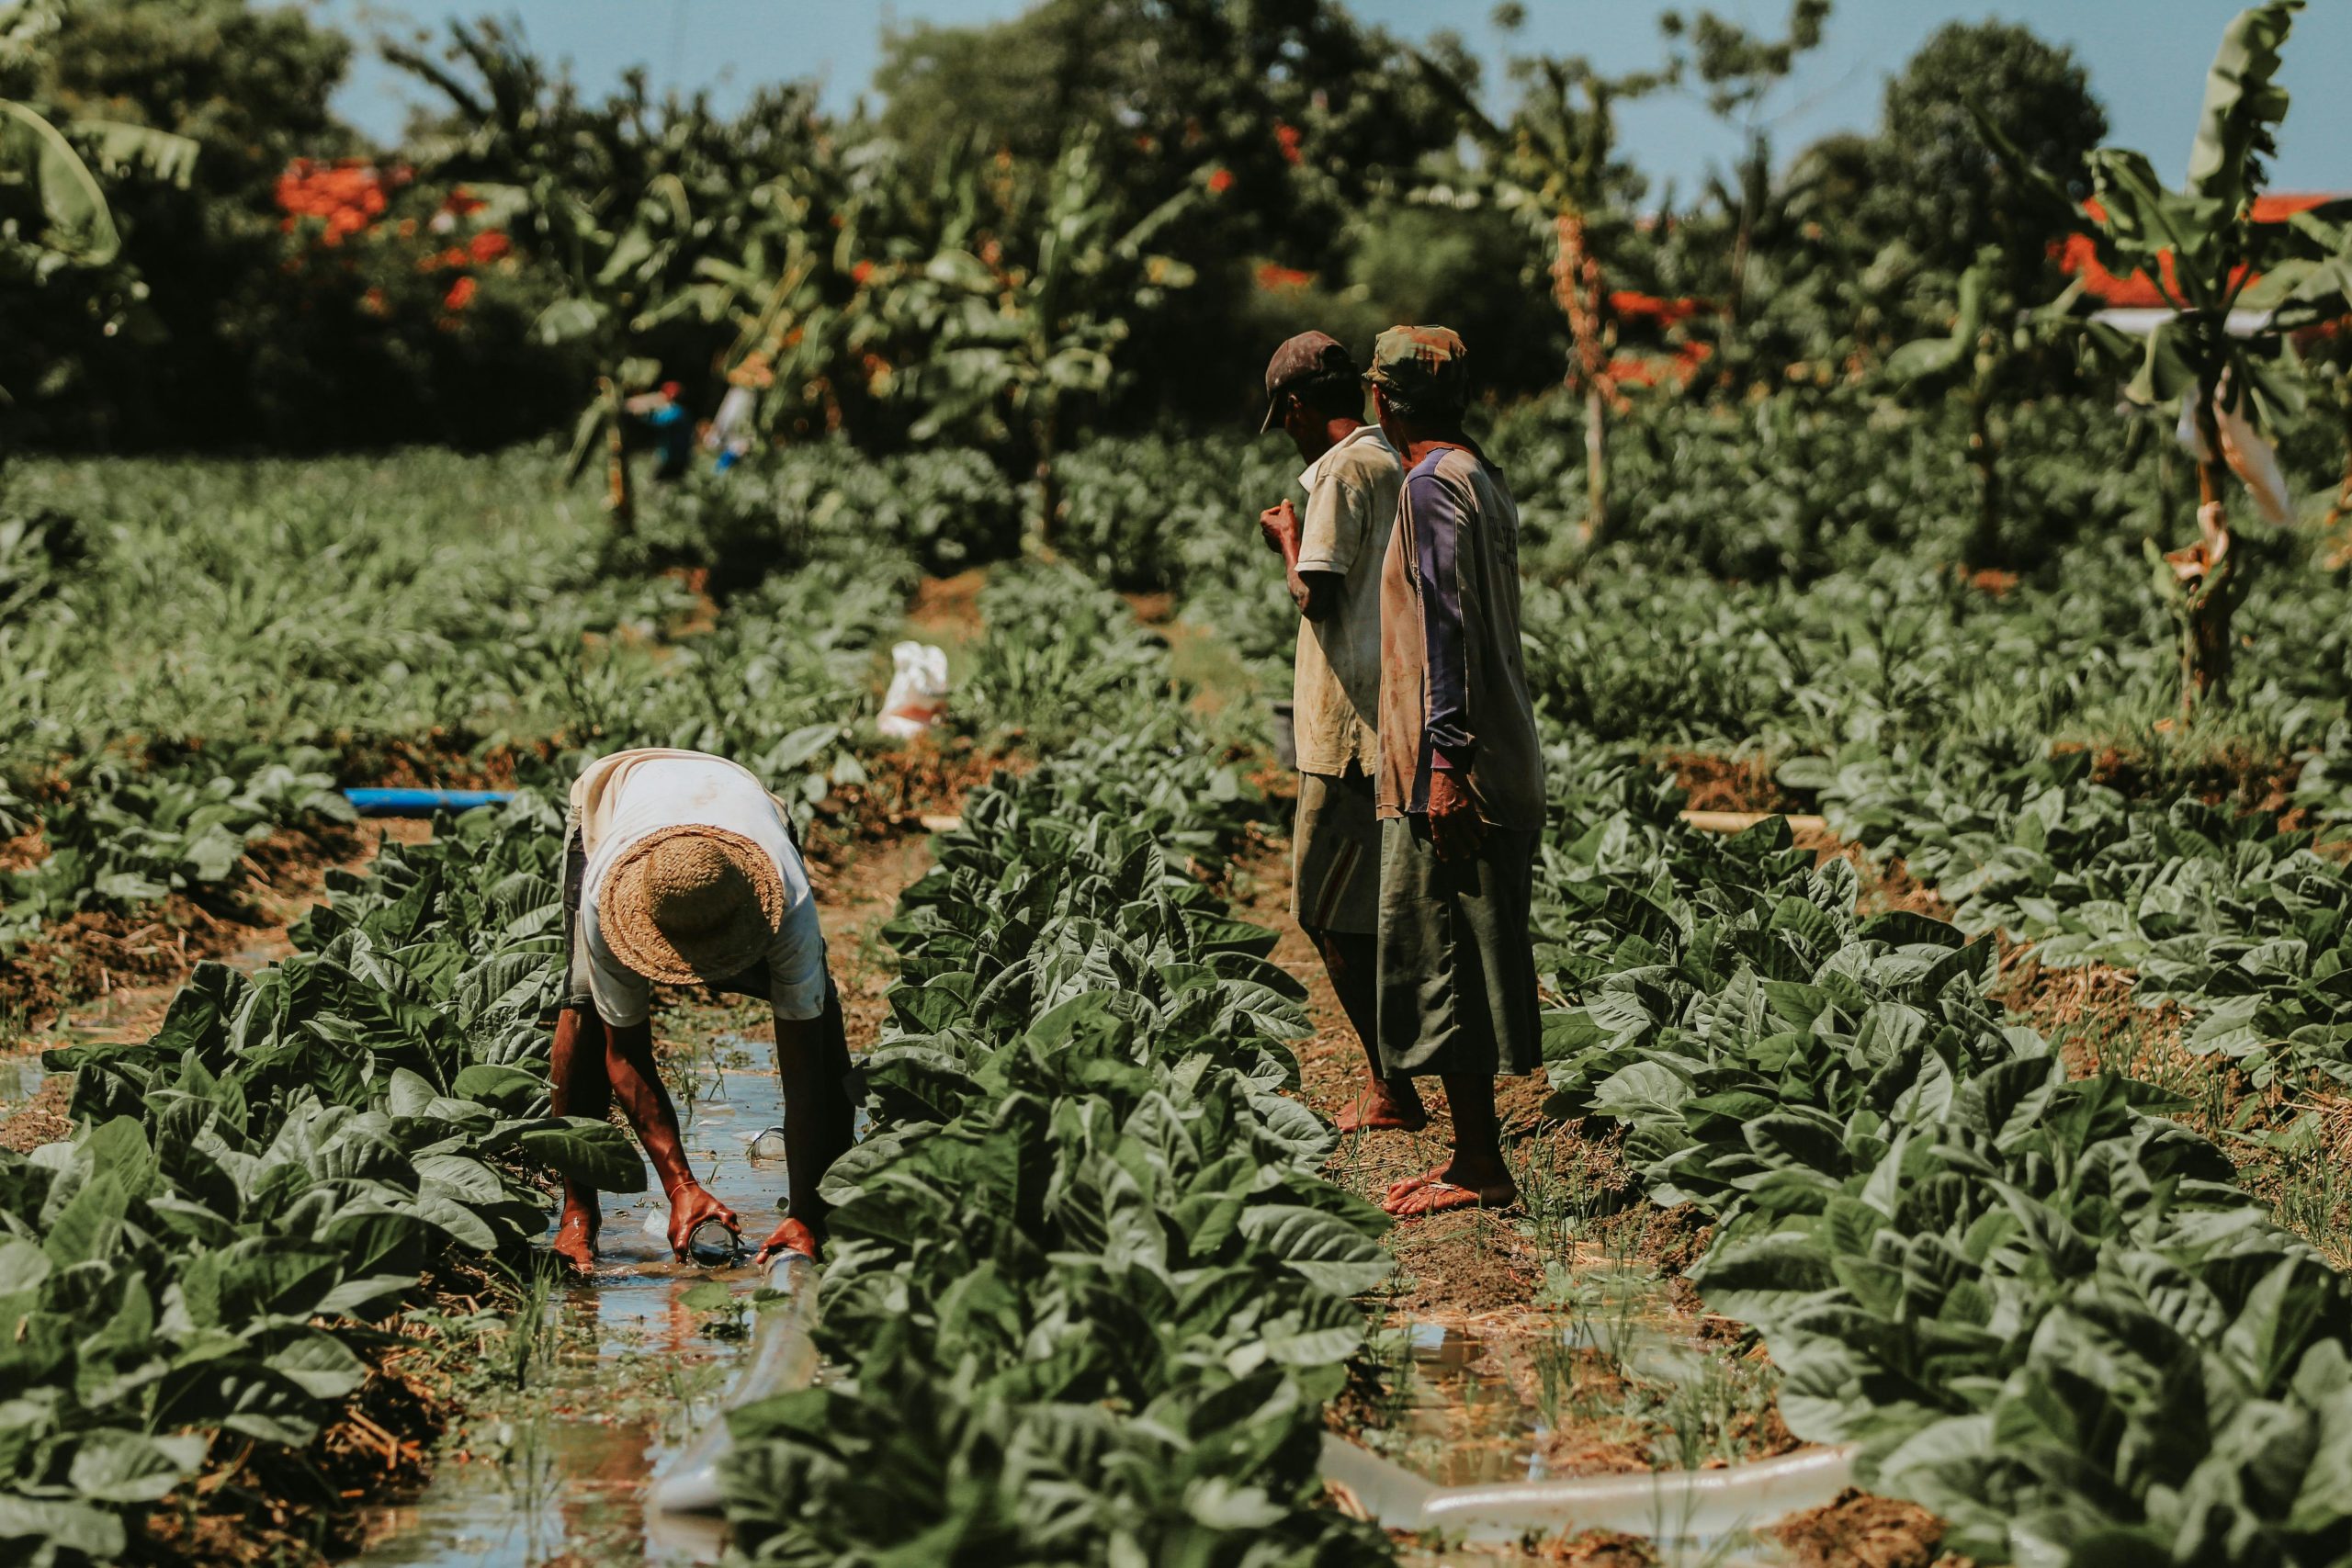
point(636, 1085)
point(1315, 592)
point(820, 1124)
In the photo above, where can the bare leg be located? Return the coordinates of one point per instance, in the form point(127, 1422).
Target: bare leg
point(637, 1084)
point(579, 1088)
point(1477, 1177)
point(1352, 959)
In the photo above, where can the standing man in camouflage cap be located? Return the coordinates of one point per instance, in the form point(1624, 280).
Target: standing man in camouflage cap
point(1460, 776)
point(1332, 563)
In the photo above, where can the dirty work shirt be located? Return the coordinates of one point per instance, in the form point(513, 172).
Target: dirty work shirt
point(1335, 694)
point(1453, 683)
point(622, 798)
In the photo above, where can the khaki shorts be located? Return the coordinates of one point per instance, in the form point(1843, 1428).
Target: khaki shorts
point(1335, 855)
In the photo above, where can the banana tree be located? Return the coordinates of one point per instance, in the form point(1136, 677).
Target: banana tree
point(53, 210)
point(1984, 363)
point(623, 201)
point(2237, 289)
point(817, 290)
point(1025, 346)
point(1557, 162)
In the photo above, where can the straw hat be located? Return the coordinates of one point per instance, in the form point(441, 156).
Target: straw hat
point(690, 903)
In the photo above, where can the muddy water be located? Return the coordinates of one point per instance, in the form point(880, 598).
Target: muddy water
point(1606, 1382)
point(559, 1472)
point(21, 1075)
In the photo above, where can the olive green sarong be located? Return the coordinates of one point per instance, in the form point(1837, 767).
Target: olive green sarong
point(1457, 961)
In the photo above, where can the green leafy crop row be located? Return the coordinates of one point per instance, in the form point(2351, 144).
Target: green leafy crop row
point(207, 653)
point(270, 1172)
point(1089, 1292)
point(2242, 921)
point(2043, 1309)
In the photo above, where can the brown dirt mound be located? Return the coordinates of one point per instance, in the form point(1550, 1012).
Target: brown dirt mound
point(949, 604)
point(94, 952)
point(41, 1120)
point(1602, 1549)
point(2240, 775)
point(439, 759)
point(924, 777)
point(1730, 783)
point(1859, 1531)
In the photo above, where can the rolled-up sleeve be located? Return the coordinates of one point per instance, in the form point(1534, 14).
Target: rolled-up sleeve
point(623, 997)
point(1331, 534)
point(797, 964)
point(1438, 519)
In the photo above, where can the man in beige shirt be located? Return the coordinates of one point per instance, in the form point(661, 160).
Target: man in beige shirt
point(1332, 561)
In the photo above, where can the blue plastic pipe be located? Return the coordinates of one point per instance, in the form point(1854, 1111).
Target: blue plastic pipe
point(422, 802)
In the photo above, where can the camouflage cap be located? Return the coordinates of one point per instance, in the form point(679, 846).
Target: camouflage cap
point(1302, 358)
point(1422, 366)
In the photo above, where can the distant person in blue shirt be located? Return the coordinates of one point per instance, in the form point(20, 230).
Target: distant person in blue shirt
point(664, 414)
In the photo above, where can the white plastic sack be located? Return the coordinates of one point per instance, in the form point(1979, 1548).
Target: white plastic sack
point(918, 694)
point(2243, 448)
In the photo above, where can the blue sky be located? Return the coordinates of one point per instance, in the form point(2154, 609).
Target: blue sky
point(2147, 58)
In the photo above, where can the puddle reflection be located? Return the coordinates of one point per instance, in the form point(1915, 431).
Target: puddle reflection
point(643, 1374)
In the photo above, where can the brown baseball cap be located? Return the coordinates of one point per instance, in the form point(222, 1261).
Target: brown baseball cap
point(1305, 357)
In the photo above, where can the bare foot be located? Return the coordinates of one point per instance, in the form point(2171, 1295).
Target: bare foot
point(576, 1240)
point(1379, 1109)
point(1415, 1184)
point(1431, 1196)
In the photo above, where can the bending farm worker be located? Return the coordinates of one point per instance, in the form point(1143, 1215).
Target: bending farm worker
point(680, 867)
point(1331, 559)
point(1461, 780)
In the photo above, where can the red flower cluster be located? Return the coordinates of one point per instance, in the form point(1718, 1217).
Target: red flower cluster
point(1648, 371)
point(460, 295)
point(1220, 181)
point(1274, 276)
point(861, 272)
point(1288, 137)
point(2077, 256)
point(1631, 307)
point(488, 245)
point(347, 195)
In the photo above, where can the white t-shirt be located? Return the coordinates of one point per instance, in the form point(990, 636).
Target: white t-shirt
point(643, 792)
point(1352, 493)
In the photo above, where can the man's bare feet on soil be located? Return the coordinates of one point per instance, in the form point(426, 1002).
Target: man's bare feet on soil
point(1377, 1109)
point(1438, 1192)
point(576, 1240)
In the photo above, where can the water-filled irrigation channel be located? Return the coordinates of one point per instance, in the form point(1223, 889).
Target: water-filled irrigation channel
point(634, 1371)
point(637, 1363)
